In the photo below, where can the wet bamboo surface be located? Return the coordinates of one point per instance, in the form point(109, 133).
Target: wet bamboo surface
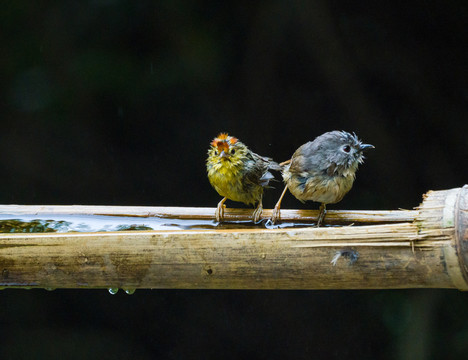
point(204, 213)
point(424, 248)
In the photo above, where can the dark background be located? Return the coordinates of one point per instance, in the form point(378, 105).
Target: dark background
point(114, 102)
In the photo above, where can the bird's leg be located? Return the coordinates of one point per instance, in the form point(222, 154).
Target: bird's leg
point(275, 214)
point(258, 211)
point(219, 213)
point(322, 213)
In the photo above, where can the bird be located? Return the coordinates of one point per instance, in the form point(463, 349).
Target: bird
point(322, 170)
point(238, 174)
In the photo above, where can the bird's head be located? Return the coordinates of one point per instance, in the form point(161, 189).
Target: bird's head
point(226, 148)
point(343, 149)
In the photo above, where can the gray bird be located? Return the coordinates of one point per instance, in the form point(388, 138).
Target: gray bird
point(323, 170)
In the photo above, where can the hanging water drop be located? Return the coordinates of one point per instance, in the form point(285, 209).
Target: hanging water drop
point(130, 291)
point(113, 291)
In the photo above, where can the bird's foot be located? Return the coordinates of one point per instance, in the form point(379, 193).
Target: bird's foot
point(257, 213)
point(322, 213)
point(275, 214)
point(219, 213)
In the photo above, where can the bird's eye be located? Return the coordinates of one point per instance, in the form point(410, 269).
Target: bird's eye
point(347, 148)
point(232, 151)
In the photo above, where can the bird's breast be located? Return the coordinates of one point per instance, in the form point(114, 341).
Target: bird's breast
point(318, 187)
point(228, 180)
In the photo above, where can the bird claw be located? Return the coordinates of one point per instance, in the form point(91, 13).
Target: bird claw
point(275, 215)
point(257, 213)
point(321, 217)
point(219, 213)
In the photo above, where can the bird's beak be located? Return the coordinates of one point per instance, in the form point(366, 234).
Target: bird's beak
point(366, 146)
point(223, 155)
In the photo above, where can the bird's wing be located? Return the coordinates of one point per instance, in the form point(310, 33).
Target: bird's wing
point(258, 173)
point(306, 159)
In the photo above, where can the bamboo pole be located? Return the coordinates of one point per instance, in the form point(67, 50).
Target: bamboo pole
point(428, 250)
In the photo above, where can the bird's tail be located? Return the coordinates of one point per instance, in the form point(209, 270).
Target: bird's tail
point(266, 178)
point(273, 165)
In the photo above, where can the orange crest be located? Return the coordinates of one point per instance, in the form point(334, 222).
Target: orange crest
point(223, 141)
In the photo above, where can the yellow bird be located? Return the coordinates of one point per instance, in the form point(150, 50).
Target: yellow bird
point(238, 174)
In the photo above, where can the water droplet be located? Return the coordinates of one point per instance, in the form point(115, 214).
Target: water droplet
point(130, 291)
point(50, 288)
point(113, 291)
